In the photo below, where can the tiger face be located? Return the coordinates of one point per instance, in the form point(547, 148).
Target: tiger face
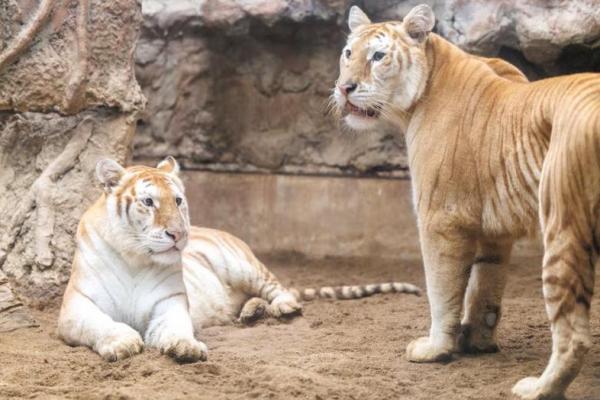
point(147, 207)
point(383, 67)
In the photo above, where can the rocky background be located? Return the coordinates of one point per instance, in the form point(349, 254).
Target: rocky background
point(243, 85)
point(68, 97)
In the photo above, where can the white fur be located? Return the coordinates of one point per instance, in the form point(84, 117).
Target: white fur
point(122, 288)
point(125, 292)
point(114, 295)
point(132, 284)
point(361, 123)
point(357, 18)
point(221, 277)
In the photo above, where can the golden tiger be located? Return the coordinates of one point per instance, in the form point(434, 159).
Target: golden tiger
point(490, 155)
point(141, 276)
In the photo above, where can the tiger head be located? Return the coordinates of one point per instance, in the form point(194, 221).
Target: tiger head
point(383, 67)
point(147, 209)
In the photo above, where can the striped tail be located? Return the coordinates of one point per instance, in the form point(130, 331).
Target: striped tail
point(354, 292)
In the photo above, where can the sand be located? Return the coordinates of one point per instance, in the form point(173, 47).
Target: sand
point(337, 350)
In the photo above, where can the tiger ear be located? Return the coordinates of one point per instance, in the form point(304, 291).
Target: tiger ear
point(419, 22)
point(357, 18)
point(169, 165)
point(109, 173)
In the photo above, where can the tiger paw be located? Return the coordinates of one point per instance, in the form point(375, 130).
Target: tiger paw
point(531, 388)
point(122, 343)
point(477, 339)
point(285, 305)
point(185, 350)
point(253, 310)
point(421, 350)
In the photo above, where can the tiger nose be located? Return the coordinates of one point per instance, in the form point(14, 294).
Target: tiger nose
point(174, 234)
point(348, 88)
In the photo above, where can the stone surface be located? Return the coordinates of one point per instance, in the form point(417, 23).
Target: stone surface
point(79, 58)
point(542, 37)
point(243, 85)
point(68, 96)
point(14, 315)
point(47, 176)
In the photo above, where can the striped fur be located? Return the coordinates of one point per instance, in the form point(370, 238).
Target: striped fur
point(244, 287)
point(354, 291)
point(491, 156)
point(143, 276)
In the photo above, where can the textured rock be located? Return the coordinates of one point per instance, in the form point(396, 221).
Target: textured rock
point(554, 37)
point(66, 64)
point(14, 315)
point(68, 96)
point(243, 85)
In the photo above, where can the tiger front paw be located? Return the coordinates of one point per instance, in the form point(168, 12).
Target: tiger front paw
point(122, 343)
point(185, 350)
point(531, 388)
point(421, 350)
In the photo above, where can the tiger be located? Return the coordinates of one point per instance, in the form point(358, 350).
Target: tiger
point(143, 276)
point(492, 158)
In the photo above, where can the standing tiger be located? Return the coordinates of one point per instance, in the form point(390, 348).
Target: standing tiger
point(490, 155)
point(134, 282)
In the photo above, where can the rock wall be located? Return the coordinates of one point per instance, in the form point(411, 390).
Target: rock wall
point(245, 86)
point(239, 85)
point(68, 96)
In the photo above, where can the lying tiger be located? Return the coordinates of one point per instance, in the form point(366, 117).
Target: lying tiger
point(135, 283)
point(490, 155)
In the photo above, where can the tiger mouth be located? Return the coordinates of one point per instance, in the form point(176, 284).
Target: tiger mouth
point(361, 112)
point(166, 251)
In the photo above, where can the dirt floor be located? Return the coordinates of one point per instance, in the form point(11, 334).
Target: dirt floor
point(337, 350)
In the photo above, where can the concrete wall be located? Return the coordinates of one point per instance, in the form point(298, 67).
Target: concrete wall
point(314, 215)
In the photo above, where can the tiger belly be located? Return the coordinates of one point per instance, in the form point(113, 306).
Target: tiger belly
point(211, 301)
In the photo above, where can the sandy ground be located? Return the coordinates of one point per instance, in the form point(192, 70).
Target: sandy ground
point(337, 350)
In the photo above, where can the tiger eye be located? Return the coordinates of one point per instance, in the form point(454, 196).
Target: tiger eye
point(178, 200)
point(378, 55)
point(348, 53)
point(148, 202)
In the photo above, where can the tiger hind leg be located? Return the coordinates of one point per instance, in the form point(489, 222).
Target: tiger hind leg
point(271, 298)
point(568, 281)
point(285, 305)
point(569, 196)
point(282, 302)
point(257, 308)
point(483, 298)
point(253, 310)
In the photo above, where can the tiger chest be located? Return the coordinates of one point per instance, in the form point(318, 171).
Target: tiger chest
point(131, 296)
